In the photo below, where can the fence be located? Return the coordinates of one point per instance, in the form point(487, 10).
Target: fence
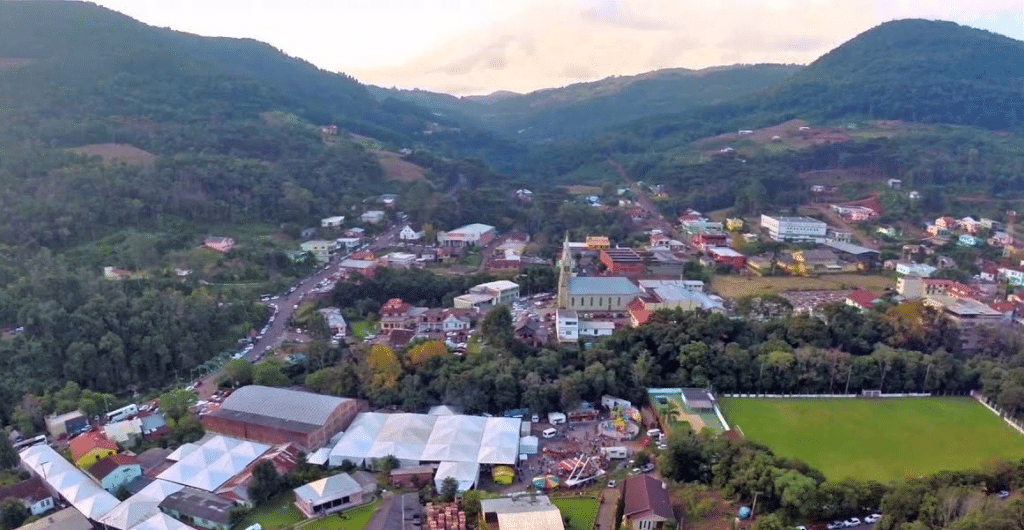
point(1012, 422)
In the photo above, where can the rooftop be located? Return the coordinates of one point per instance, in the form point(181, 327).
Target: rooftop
point(66, 519)
point(644, 493)
point(499, 285)
point(327, 489)
point(793, 219)
point(108, 465)
point(282, 404)
point(201, 504)
point(849, 248)
point(602, 285)
point(83, 443)
point(725, 252)
point(213, 462)
point(962, 307)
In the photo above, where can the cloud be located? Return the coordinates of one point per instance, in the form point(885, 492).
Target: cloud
point(557, 42)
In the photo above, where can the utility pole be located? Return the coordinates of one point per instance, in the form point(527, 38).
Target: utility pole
point(753, 510)
point(848, 375)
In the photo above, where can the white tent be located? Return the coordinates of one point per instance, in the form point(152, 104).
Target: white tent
point(214, 462)
point(140, 507)
point(161, 521)
point(467, 473)
point(70, 482)
point(528, 445)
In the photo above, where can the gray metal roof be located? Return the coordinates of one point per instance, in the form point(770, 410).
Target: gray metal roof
point(284, 404)
point(602, 285)
point(849, 248)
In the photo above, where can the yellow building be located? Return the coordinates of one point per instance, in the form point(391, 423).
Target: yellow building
point(734, 224)
point(87, 448)
point(598, 243)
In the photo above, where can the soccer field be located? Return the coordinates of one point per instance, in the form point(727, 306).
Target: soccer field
point(878, 439)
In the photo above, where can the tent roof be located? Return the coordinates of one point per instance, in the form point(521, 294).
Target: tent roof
point(72, 483)
point(214, 462)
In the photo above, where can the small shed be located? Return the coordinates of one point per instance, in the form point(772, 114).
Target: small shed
point(528, 445)
point(698, 399)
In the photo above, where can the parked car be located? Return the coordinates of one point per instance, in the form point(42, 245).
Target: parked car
point(801, 527)
point(611, 483)
point(852, 522)
point(1003, 494)
point(836, 525)
point(873, 518)
point(647, 468)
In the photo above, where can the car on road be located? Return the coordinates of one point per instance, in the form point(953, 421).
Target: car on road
point(852, 522)
point(801, 527)
point(1003, 494)
point(873, 518)
point(835, 525)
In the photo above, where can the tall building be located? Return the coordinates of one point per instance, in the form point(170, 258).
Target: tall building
point(794, 228)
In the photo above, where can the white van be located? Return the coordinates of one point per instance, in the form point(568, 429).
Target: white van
point(654, 433)
point(550, 432)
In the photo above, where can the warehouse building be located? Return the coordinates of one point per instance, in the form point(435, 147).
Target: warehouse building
point(278, 415)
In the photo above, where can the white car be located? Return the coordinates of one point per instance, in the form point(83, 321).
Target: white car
point(852, 522)
point(611, 483)
point(1003, 494)
point(836, 525)
point(873, 518)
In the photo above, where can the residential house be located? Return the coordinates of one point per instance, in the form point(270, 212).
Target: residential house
point(947, 223)
point(320, 249)
point(970, 225)
point(115, 471)
point(894, 183)
point(154, 426)
point(937, 231)
point(861, 299)
point(727, 256)
point(854, 213)
point(328, 495)
point(124, 431)
point(87, 448)
point(367, 268)
point(734, 224)
point(804, 262)
point(220, 244)
point(701, 225)
point(396, 314)
point(414, 477)
point(32, 492)
point(410, 233)
point(332, 222)
point(887, 231)
point(706, 240)
point(837, 236)
point(916, 269)
point(671, 294)
point(198, 508)
point(114, 273)
point(372, 216)
point(347, 243)
point(914, 195)
point(502, 291)
point(1000, 239)
point(524, 195)
point(1012, 275)
point(528, 330)
point(399, 259)
point(67, 424)
point(335, 321)
point(990, 224)
point(647, 505)
point(567, 325)
point(355, 232)
point(967, 240)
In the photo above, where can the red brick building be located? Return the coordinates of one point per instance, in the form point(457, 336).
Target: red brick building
point(623, 261)
point(413, 477)
point(710, 239)
point(278, 415)
point(727, 256)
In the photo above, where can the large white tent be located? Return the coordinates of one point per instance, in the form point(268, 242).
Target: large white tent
point(418, 438)
point(142, 506)
point(466, 473)
point(70, 482)
point(213, 462)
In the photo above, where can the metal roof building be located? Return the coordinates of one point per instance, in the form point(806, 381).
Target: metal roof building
point(279, 415)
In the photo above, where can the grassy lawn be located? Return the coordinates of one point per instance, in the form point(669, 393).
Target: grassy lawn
point(362, 328)
point(355, 519)
point(878, 439)
point(582, 511)
point(735, 286)
point(279, 513)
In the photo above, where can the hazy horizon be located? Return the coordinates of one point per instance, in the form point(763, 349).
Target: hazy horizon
point(466, 47)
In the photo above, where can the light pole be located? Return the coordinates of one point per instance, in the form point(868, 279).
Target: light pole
point(753, 510)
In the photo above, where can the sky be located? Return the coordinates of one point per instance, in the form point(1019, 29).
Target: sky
point(479, 46)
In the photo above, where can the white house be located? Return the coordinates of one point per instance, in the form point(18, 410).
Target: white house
point(794, 228)
point(321, 249)
point(335, 320)
point(916, 269)
point(408, 233)
point(372, 216)
point(1014, 276)
point(567, 325)
point(332, 222)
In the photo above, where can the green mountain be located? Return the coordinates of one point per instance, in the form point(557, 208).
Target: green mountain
point(582, 109)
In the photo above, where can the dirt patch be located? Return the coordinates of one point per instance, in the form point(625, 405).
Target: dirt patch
point(582, 189)
point(397, 168)
point(703, 508)
point(128, 154)
point(734, 286)
point(12, 62)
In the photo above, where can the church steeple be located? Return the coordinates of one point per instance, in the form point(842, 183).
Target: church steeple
point(566, 266)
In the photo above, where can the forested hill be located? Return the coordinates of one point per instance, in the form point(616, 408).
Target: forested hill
point(911, 70)
point(582, 109)
point(77, 62)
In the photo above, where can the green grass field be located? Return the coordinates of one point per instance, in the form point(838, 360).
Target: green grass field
point(878, 439)
point(582, 511)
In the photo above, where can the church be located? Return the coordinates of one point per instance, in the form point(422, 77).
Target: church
point(592, 294)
